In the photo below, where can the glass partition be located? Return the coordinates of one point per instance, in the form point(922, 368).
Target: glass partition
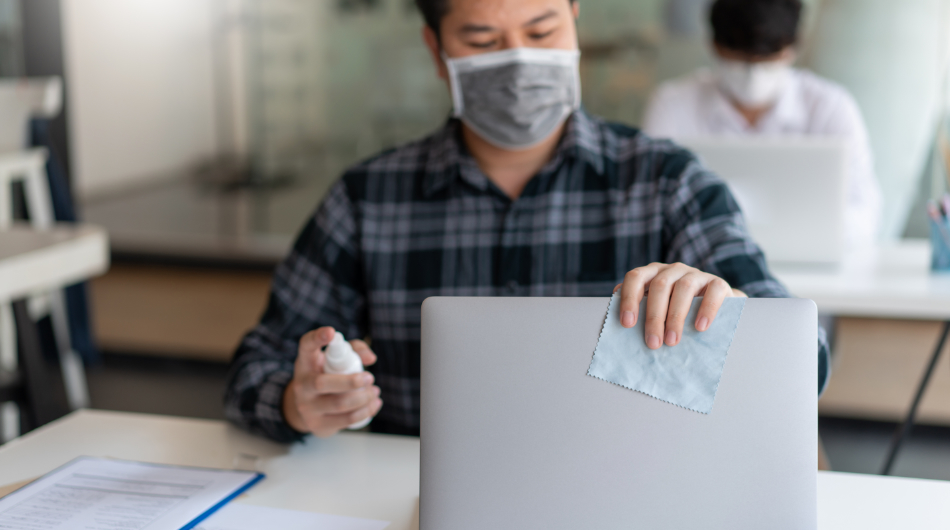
point(333, 82)
point(326, 83)
point(11, 39)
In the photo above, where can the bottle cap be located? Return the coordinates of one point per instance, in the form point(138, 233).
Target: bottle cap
point(337, 350)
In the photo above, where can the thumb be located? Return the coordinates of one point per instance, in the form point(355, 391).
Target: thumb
point(312, 343)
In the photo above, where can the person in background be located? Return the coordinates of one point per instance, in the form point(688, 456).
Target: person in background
point(520, 193)
point(754, 90)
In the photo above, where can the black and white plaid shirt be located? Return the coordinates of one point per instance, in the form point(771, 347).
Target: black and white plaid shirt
point(423, 220)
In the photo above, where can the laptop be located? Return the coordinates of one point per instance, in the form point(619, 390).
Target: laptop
point(516, 435)
point(791, 191)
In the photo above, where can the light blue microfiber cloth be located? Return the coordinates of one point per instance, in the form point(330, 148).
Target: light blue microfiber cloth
point(686, 374)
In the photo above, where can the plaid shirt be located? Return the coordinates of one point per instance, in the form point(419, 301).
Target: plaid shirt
point(423, 220)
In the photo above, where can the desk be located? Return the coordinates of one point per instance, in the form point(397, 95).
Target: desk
point(34, 261)
point(377, 476)
point(37, 261)
point(890, 280)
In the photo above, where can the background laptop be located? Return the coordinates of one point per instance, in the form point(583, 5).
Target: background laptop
point(516, 435)
point(791, 190)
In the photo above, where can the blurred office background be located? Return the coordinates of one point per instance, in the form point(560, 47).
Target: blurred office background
point(202, 133)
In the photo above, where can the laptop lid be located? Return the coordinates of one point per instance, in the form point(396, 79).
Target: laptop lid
point(791, 191)
point(515, 434)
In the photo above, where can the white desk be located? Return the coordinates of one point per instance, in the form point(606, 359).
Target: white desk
point(377, 476)
point(34, 261)
point(892, 280)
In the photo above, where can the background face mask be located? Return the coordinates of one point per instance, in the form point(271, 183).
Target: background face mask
point(753, 84)
point(515, 98)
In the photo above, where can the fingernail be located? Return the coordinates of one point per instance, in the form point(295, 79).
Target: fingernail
point(670, 338)
point(367, 379)
point(653, 342)
point(626, 319)
point(702, 324)
point(376, 390)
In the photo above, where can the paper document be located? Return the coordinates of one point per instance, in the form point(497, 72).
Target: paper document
point(687, 374)
point(237, 516)
point(102, 494)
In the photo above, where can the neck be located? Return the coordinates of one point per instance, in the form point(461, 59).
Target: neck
point(510, 170)
point(751, 115)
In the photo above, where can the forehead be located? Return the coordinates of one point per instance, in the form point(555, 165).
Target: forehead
point(501, 13)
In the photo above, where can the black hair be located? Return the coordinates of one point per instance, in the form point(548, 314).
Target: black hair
point(433, 11)
point(755, 27)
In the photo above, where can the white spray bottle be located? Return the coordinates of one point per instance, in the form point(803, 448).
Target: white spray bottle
point(341, 359)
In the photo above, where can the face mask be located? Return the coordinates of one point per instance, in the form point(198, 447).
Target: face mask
point(753, 84)
point(515, 98)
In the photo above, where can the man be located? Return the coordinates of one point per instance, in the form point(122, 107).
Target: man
point(523, 195)
point(753, 90)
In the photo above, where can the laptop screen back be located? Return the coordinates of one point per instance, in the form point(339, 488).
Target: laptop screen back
point(515, 434)
point(791, 191)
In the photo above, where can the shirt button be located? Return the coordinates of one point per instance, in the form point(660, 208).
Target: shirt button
point(512, 285)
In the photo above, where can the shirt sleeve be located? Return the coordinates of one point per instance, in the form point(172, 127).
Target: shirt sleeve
point(317, 284)
point(705, 229)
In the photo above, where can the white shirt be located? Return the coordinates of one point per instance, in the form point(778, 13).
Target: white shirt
point(694, 106)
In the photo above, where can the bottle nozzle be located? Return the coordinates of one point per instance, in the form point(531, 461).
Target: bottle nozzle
point(337, 350)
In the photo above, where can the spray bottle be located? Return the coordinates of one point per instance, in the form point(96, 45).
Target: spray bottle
point(341, 359)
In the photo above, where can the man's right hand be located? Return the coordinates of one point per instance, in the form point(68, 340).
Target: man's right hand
point(326, 403)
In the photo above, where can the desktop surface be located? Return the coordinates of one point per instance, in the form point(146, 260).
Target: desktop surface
point(511, 421)
point(377, 476)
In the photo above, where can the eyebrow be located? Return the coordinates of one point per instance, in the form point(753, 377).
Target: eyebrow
point(540, 18)
point(477, 28)
point(482, 28)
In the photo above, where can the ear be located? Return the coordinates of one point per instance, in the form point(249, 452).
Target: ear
point(435, 50)
point(576, 8)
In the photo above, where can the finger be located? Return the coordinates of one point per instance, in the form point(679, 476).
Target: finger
point(336, 383)
point(631, 292)
point(346, 401)
point(336, 422)
point(309, 362)
point(716, 291)
point(658, 301)
point(363, 350)
point(681, 300)
point(314, 341)
point(368, 411)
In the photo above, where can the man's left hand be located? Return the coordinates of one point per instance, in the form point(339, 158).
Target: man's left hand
point(670, 289)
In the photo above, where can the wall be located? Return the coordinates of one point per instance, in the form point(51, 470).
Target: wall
point(892, 56)
point(140, 85)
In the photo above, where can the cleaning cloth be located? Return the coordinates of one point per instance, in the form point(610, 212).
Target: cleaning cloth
point(686, 374)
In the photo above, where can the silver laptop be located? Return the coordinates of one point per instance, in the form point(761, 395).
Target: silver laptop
point(791, 190)
point(516, 435)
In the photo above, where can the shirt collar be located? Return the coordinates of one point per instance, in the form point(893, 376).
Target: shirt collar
point(583, 140)
point(447, 157)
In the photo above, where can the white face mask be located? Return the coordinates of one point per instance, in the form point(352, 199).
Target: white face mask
point(515, 98)
point(753, 85)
